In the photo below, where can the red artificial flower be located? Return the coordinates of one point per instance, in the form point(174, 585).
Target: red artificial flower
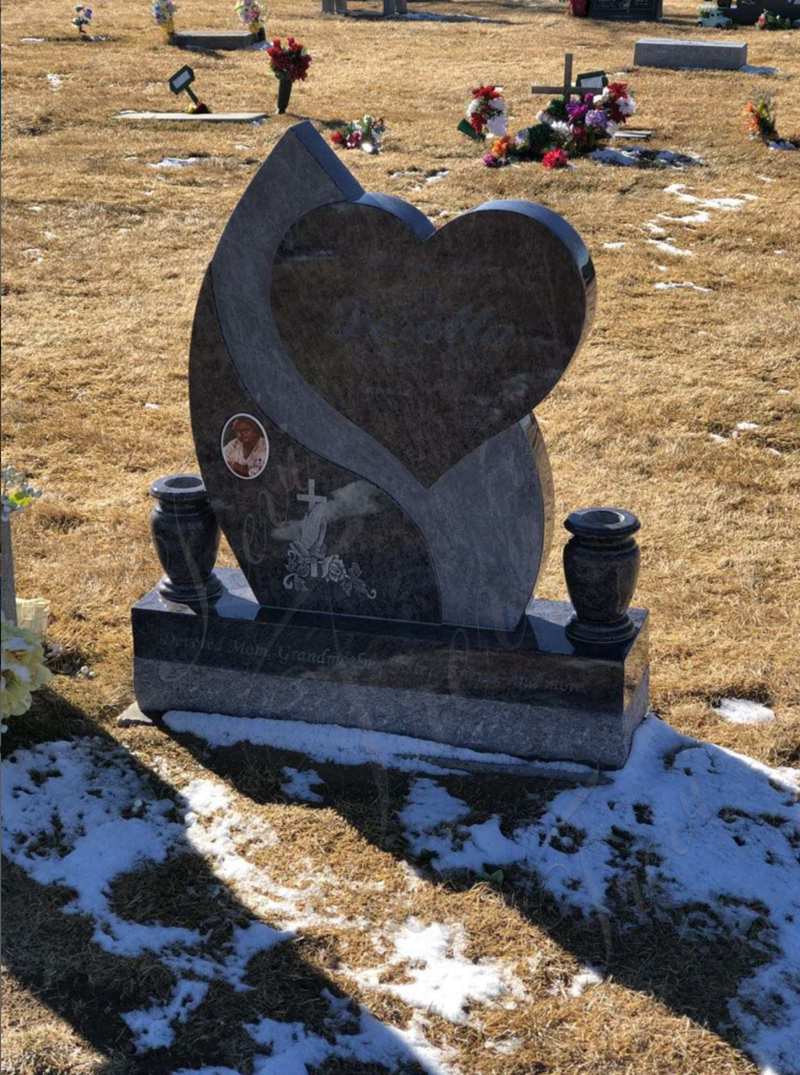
point(555, 158)
point(337, 138)
point(618, 89)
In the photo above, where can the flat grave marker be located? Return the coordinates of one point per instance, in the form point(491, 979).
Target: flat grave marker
point(216, 40)
point(679, 53)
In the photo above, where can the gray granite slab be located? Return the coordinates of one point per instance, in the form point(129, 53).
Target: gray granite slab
point(529, 692)
point(677, 52)
point(218, 40)
point(465, 460)
point(185, 117)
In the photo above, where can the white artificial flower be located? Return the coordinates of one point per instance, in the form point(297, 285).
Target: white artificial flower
point(612, 127)
point(497, 125)
point(563, 130)
point(627, 106)
point(368, 147)
point(473, 107)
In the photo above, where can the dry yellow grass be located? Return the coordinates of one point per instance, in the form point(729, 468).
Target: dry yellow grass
point(99, 286)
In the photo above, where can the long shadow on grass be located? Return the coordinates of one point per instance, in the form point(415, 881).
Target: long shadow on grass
point(55, 958)
point(683, 952)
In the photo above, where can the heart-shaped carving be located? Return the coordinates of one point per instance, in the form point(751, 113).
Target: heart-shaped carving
point(432, 347)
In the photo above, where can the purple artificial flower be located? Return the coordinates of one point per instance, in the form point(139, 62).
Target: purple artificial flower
point(577, 111)
point(597, 118)
point(491, 161)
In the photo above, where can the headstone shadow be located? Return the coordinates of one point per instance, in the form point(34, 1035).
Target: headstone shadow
point(686, 951)
point(57, 959)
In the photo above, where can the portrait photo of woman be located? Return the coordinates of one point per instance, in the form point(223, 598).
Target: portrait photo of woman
point(245, 447)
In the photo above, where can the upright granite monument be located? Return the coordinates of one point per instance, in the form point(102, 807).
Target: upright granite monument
point(362, 391)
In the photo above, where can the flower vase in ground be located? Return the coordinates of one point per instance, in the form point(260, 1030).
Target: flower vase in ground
point(289, 64)
point(284, 94)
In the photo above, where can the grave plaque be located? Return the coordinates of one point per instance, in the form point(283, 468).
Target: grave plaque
point(362, 391)
point(628, 10)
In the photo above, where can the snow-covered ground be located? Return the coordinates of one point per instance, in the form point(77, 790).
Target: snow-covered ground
point(716, 828)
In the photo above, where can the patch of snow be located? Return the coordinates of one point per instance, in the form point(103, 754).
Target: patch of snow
point(713, 824)
point(784, 145)
point(35, 208)
point(744, 426)
point(55, 81)
point(443, 980)
point(152, 1027)
point(295, 1050)
point(655, 229)
point(344, 746)
point(32, 40)
point(725, 205)
point(784, 392)
point(588, 977)
point(505, 1047)
point(743, 711)
point(772, 451)
point(718, 438)
point(174, 162)
point(437, 177)
point(663, 286)
point(613, 246)
point(428, 804)
point(78, 814)
point(205, 797)
point(152, 407)
point(700, 217)
point(297, 785)
point(666, 247)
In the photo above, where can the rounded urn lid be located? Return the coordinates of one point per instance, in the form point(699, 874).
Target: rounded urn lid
point(179, 489)
point(602, 522)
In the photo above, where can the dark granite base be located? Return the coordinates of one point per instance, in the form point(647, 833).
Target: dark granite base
point(527, 692)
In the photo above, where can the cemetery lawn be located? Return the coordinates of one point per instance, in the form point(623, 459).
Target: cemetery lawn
point(684, 407)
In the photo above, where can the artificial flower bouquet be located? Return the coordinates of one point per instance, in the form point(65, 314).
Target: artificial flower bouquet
point(568, 127)
point(23, 669)
point(249, 12)
point(164, 12)
point(289, 62)
point(198, 109)
point(83, 16)
point(583, 124)
point(767, 20)
point(761, 118)
point(364, 134)
point(486, 113)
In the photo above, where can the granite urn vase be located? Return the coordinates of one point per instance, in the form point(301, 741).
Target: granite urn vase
point(186, 535)
point(284, 94)
point(601, 565)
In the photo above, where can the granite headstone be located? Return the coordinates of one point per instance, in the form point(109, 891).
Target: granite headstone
point(626, 10)
point(362, 391)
